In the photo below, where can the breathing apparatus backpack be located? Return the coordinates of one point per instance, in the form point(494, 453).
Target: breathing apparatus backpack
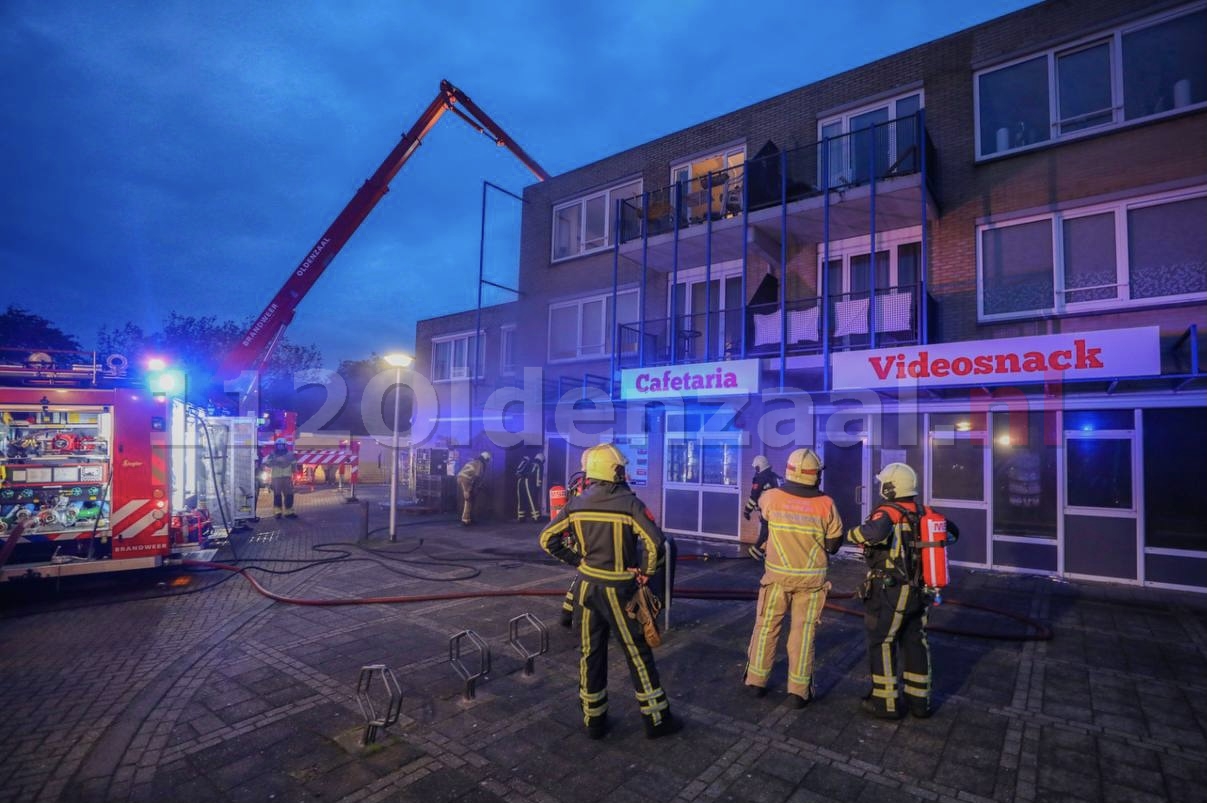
point(926, 551)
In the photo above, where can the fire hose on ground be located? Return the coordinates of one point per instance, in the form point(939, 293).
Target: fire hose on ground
point(1037, 630)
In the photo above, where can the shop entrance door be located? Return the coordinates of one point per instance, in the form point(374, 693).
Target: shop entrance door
point(845, 453)
point(1101, 492)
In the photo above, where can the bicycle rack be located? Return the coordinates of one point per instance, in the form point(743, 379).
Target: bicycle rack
point(513, 638)
point(454, 658)
point(364, 697)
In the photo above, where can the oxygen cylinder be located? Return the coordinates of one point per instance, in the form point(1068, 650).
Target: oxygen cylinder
point(932, 546)
point(557, 500)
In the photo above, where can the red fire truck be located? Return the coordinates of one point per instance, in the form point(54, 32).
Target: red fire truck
point(92, 468)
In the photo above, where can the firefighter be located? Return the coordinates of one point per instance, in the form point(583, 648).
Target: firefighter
point(610, 527)
point(469, 480)
point(805, 529)
point(529, 480)
point(895, 600)
point(764, 479)
point(281, 465)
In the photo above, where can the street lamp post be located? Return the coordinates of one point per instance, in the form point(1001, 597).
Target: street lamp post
point(399, 361)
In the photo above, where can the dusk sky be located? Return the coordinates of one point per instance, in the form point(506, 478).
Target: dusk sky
point(184, 156)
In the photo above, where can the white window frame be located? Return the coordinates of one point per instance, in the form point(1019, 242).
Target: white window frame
point(609, 196)
point(1114, 37)
point(1059, 306)
point(583, 351)
point(843, 173)
point(845, 250)
point(507, 364)
point(458, 373)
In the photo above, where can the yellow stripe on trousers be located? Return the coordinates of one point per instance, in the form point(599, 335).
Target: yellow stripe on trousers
point(626, 638)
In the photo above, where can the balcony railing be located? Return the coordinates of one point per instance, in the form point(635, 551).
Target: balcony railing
point(895, 315)
point(881, 152)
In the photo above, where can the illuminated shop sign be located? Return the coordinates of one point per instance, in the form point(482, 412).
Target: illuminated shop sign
point(728, 378)
point(1108, 354)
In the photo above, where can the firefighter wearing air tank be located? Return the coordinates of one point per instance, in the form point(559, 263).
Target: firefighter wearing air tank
point(805, 529)
point(281, 465)
point(529, 480)
point(764, 479)
point(616, 546)
point(896, 597)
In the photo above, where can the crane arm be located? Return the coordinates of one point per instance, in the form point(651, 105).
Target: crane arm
point(255, 347)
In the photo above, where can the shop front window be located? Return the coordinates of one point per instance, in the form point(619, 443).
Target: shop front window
point(958, 458)
point(1175, 463)
point(1024, 476)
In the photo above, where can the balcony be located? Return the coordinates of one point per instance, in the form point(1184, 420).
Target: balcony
point(876, 176)
point(894, 314)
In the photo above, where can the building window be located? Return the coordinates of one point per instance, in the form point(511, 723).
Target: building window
point(1024, 476)
point(855, 135)
point(1132, 253)
point(1175, 462)
point(584, 225)
point(710, 185)
point(583, 328)
point(957, 457)
point(452, 356)
point(1067, 91)
point(507, 350)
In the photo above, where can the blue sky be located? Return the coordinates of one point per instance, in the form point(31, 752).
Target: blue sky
point(184, 156)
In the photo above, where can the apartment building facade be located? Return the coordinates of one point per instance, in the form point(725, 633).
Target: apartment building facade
point(985, 256)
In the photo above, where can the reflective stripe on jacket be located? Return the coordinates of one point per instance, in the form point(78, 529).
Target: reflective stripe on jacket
point(805, 528)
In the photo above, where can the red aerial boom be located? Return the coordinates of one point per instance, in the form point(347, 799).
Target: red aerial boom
point(255, 347)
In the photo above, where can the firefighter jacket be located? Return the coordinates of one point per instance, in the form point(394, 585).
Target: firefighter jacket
point(281, 465)
point(886, 540)
point(765, 480)
point(471, 473)
point(805, 529)
point(608, 527)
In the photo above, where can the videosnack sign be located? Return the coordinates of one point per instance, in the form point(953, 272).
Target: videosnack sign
point(1082, 355)
point(727, 378)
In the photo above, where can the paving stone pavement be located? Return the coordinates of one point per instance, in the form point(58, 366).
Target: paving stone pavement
point(131, 688)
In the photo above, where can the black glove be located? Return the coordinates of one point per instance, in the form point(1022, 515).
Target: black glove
point(746, 515)
point(755, 551)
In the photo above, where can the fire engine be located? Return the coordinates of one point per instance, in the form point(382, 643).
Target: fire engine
point(103, 475)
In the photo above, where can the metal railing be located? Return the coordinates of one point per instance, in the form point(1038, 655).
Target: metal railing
point(882, 151)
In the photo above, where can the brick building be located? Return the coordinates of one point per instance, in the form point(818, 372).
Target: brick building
point(1025, 332)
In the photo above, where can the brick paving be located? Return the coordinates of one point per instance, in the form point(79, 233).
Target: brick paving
point(127, 688)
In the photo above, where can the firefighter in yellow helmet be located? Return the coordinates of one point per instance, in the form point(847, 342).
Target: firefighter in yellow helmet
point(281, 465)
point(469, 480)
point(895, 601)
point(616, 546)
point(805, 529)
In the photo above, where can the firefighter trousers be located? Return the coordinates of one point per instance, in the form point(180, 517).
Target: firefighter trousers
point(466, 486)
point(601, 613)
point(895, 620)
point(282, 496)
point(527, 502)
point(775, 602)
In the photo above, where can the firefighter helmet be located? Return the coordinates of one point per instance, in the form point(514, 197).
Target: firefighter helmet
point(804, 467)
point(761, 463)
point(485, 456)
point(897, 481)
point(539, 457)
point(604, 462)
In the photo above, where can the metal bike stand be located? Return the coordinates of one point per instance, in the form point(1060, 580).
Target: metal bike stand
point(454, 658)
point(374, 721)
point(513, 638)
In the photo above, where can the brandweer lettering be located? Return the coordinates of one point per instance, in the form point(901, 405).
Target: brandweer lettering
point(260, 324)
point(1030, 362)
point(687, 380)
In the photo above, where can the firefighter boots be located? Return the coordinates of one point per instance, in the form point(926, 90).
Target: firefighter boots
point(669, 725)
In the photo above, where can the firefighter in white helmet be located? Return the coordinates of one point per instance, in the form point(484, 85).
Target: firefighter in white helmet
point(805, 529)
point(469, 480)
point(764, 479)
point(617, 545)
point(895, 601)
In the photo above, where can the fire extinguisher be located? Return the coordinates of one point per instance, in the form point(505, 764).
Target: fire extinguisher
point(557, 500)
